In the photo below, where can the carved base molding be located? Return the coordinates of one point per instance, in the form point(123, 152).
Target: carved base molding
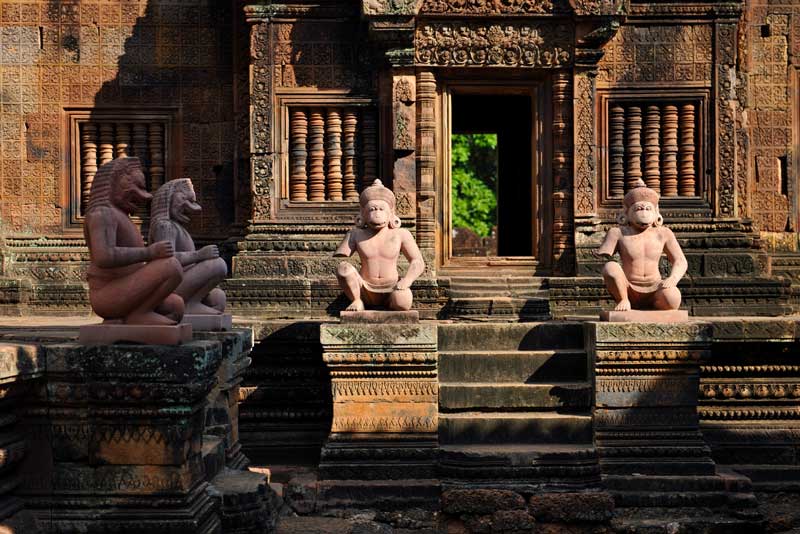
point(116, 433)
point(385, 401)
point(702, 296)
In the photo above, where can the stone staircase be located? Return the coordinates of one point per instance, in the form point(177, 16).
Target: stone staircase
point(503, 297)
point(514, 407)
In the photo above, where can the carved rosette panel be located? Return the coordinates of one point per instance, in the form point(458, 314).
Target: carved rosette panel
point(404, 98)
point(512, 44)
point(260, 89)
point(585, 155)
point(658, 53)
point(486, 7)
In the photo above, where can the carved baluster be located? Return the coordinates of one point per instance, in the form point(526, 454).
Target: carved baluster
point(316, 150)
point(652, 148)
point(349, 149)
point(634, 146)
point(122, 140)
point(140, 149)
point(370, 152)
point(686, 177)
point(669, 153)
point(333, 151)
point(298, 178)
point(106, 148)
point(156, 142)
point(616, 166)
point(88, 161)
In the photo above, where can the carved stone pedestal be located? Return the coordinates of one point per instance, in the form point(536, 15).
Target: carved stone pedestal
point(652, 453)
point(21, 366)
point(222, 411)
point(203, 323)
point(116, 439)
point(385, 407)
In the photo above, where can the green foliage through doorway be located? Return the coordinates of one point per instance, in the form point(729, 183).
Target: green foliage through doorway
point(474, 182)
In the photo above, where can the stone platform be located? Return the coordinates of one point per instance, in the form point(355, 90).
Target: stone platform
point(645, 316)
point(201, 323)
point(107, 333)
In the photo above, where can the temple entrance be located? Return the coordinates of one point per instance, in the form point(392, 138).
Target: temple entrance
point(490, 175)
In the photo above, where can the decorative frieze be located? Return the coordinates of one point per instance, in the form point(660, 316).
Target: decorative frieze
point(512, 44)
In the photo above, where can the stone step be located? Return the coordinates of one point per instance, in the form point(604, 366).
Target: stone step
point(484, 291)
point(553, 465)
point(510, 336)
point(493, 396)
point(498, 308)
point(512, 365)
point(514, 427)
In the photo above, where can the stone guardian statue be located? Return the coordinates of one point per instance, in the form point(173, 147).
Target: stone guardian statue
point(173, 206)
point(378, 240)
point(130, 285)
point(641, 239)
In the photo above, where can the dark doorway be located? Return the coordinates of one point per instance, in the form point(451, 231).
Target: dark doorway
point(490, 126)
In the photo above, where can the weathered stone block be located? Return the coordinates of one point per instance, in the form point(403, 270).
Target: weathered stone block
point(480, 501)
point(594, 507)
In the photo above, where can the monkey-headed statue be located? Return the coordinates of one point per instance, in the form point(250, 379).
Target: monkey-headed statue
point(173, 206)
point(641, 239)
point(378, 240)
point(131, 286)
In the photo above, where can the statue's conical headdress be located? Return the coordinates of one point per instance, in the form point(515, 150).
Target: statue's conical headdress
point(640, 192)
point(377, 191)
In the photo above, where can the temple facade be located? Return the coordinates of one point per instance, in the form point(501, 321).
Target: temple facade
point(280, 113)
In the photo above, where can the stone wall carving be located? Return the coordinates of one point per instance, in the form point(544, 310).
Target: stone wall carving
point(488, 7)
point(563, 239)
point(675, 53)
point(585, 157)
point(511, 44)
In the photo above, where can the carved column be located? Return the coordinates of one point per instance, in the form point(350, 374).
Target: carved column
point(669, 153)
point(686, 177)
point(727, 113)
point(261, 145)
point(349, 125)
point(563, 253)
point(616, 166)
point(652, 148)
point(633, 148)
point(316, 155)
point(333, 151)
point(297, 174)
point(426, 161)
point(88, 161)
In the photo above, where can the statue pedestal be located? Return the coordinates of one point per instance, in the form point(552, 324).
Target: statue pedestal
point(213, 323)
point(385, 405)
point(117, 436)
point(652, 453)
point(645, 316)
point(108, 333)
point(379, 317)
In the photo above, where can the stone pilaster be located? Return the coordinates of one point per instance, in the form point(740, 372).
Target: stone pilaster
point(116, 439)
point(385, 401)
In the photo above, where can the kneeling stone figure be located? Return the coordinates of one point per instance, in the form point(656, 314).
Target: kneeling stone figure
point(641, 240)
point(378, 240)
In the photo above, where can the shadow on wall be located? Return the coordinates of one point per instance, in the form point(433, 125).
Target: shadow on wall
point(171, 100)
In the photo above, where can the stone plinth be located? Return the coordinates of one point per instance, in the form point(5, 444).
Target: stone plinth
point(203, 323)
point(222, 411)
point(645, 316)
point(116, 439)
point(385, 401)
point(379, 317)
point(21, 367)
point(646, 381)
point(108, 333)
